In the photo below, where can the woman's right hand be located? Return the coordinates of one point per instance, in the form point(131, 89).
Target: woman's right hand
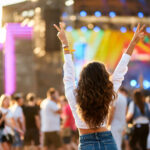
point(61, 33)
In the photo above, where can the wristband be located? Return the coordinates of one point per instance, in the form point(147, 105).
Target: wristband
point(67, 49)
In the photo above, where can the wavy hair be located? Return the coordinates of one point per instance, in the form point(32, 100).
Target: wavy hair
point(94, 94)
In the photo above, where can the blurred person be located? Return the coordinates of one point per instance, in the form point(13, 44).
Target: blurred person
point(140, 114)
point(148, 139)
point(32, 123)
point(90, 100)
point(68, 124)
point(6, 131)
point(125, 92)
point(117, 117)
point(18, 116)
point(38, 103)
point(50, 121)
point(2, 125)
point(126, 134)
point(7, 123)
point(13, 101)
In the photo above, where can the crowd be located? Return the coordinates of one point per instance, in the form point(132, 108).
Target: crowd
point(47, 124)
point(33, 123)
point(129, 120)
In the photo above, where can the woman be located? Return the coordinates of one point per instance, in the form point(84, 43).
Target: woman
point(148, 138)
point(68, 124)
point(7, 123)
point(2, 126)
point(7, 131)
point(140, 114)
point(117, 118)
point(90, 100)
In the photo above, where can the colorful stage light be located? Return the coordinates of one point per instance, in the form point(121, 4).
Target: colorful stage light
point(112, 14)
point(133, 83)
point(84, 29)
point(98, 14)
point(83, 13)
point(69, 28)
point(69, 2)
point(140, 14)
point(146, 39)
point(148, 29)
point(96, 29)
point(123, 29)
point(98, 42)
point(146, 84)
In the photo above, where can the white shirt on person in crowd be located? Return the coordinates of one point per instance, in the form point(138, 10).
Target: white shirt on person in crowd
point(69, 81)
point(9, 116)
point(119, 119)
point(139, 120)
point(17, 113)
point(50, 120)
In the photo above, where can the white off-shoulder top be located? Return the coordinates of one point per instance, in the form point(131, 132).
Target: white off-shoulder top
point(69, 82)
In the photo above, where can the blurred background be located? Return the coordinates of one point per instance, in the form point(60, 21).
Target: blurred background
point(31, 58)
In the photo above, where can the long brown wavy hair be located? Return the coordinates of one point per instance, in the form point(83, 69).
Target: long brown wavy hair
point(94, 94)
point(139, 100)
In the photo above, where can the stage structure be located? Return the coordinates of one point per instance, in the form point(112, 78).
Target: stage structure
point(13, 32)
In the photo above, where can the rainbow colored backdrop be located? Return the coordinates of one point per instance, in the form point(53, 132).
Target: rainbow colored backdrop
point(106, 46)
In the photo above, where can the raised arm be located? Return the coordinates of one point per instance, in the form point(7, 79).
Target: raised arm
point(121, 69)
point(69, 73)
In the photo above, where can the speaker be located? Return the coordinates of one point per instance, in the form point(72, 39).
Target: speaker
point(51, 16)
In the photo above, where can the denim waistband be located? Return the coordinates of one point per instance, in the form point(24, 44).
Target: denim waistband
point(96, 136)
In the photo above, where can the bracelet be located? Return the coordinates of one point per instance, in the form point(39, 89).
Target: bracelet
point(67, 49)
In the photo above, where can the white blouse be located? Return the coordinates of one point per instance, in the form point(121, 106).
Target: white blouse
point(69, 81)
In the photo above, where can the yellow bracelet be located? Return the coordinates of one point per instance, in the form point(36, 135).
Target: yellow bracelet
point(71, 50)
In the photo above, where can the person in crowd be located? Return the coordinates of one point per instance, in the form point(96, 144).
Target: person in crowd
point(148, 139)
point(140, 114)
point(2, 126)
point(19, 121)
point(7, 123)
point(90, 100)
point(38, 103)
point(117, 117)
point(50, 121)
point(32, 123)
point(6, 116)
point(126, 134)
point(68, 124)
point(125, 92)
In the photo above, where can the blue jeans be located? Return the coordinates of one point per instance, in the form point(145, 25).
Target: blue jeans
point(97, 141)
point(17, 140)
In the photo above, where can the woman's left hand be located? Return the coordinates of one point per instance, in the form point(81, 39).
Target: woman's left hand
point(139, 34)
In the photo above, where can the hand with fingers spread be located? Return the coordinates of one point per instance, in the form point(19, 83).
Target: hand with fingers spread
point(138, 35)
point(61, 33)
